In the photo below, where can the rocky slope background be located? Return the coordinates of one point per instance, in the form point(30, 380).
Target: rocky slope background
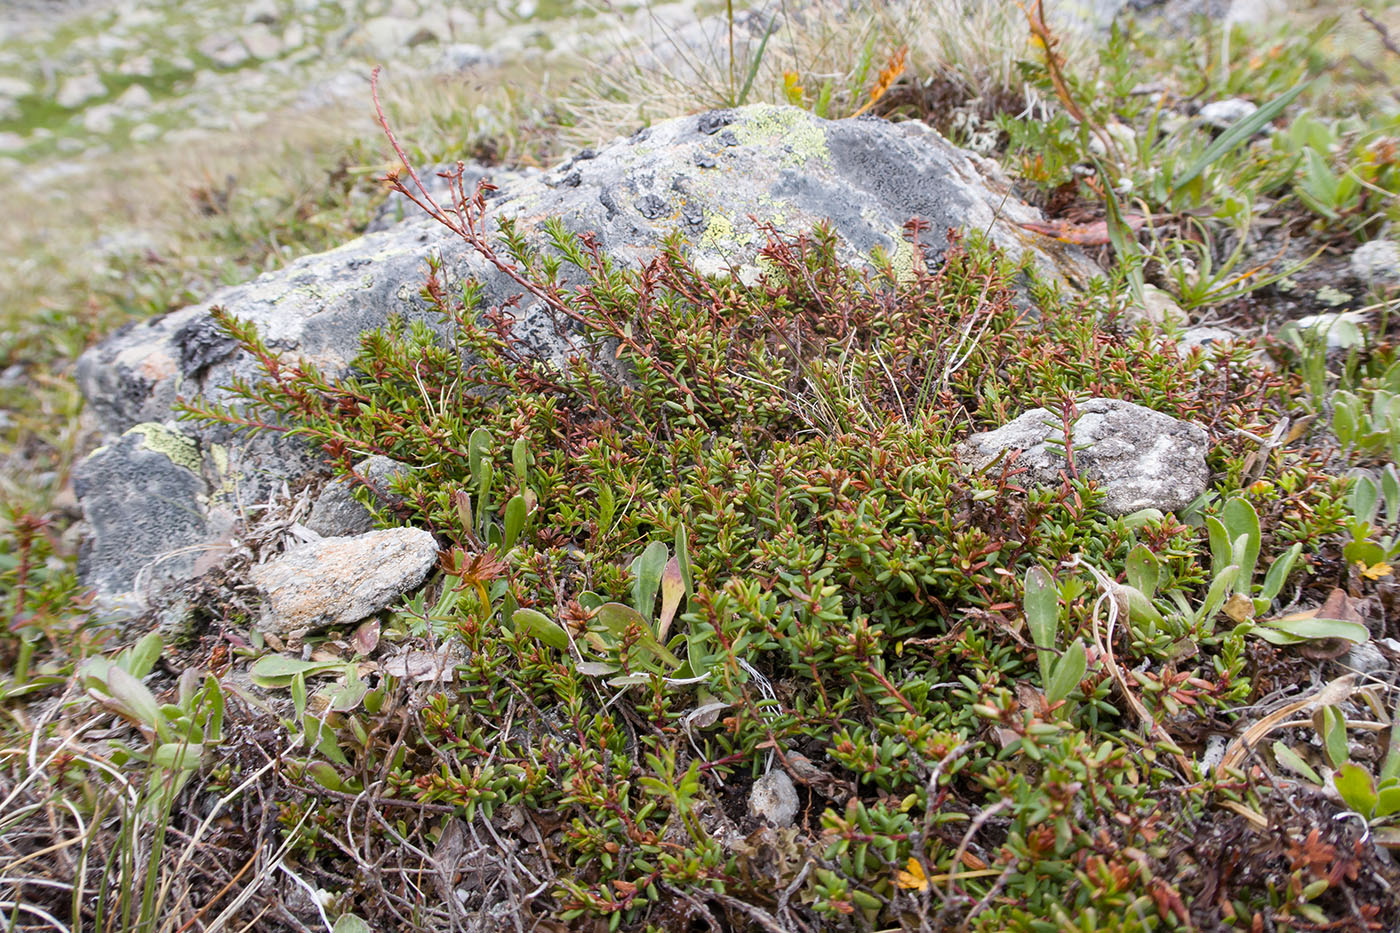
point(721, 548)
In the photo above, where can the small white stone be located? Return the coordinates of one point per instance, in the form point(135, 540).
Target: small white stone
point(79, 89)
point(342, 580)
point(101, 119)
point(224, 51)
point(1203, 337)
point(1223, 114)
point(135, 97)
point(1159, 307)
point(774, 798)
point(15, 87)
point(262, 11)
point(1377, 262)
point(261, 42)
point(294, 36)
point(138, 65)
point(1253, 12)
point(1214, 752)
point(1342, 330)
point(144, 132)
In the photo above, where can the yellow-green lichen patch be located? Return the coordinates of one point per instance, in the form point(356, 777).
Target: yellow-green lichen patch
point(804, 140)
point(722, 236)
point(179, 449)
point(228, 482)
point(902, 258)
point(218, 455)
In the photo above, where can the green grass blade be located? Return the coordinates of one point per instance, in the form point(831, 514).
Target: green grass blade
point(753, 68)
point(1237, 134)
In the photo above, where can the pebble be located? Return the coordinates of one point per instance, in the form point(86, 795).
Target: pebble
point(79, 89)
point(135, 97)
point(261, 43)
point(1223, 114)
point(1366, 658)
point(774, 798)
point(1377, 263)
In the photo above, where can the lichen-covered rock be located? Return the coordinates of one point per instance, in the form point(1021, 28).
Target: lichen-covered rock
point(146, 500)
point(1139, 457)
point(713, 179)
point(337, 581)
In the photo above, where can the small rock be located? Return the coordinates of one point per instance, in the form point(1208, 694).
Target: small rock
point(1254, 12)
point(139, 65)
point(1203, 337)
point(135, 97)
point(264, 12)
point(1377, 263)
point(1216, 746)
point(1158, 308)
point(12, 142)
point(261, 43)
point(15, 87)
point(336, 513)
point(337, 581)
point(774, 798)
point(1223, 114)
point(1366, 659)
point(293, 37)
point(387, 36)
point(79, 89)
point(101, 119)
point(144, 133)
point(459, 56)
point(223, 50)
point(1343, 330)
point(1121, 135)
point(1140, 458)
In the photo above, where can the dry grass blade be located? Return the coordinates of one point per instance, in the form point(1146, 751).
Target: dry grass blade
point(1329, 695)
point(1110, 596)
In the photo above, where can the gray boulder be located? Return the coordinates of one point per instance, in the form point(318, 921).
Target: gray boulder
point(714, 179)
point(1139, 457)
point(338, 581)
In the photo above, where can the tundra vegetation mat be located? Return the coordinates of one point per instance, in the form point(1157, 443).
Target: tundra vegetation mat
point(723, 637)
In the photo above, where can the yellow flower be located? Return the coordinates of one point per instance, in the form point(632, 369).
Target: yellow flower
point(912, 877)
point(1375, 571)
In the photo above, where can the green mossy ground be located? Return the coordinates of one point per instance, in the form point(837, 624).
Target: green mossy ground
point(732, 540)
